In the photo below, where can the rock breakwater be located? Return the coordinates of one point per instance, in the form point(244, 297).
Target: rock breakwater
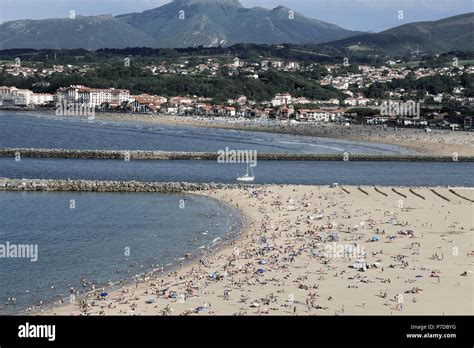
point(109, 186)
point(213, 156)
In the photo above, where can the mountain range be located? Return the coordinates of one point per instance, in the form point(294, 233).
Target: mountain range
point(211, 23)
point(448, 34)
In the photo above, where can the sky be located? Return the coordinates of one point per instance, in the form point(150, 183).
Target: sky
point(364, 15)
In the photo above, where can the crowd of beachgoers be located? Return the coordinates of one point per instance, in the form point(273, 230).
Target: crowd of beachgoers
point(313, 250)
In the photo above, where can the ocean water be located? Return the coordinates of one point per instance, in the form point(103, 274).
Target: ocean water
point(105, 237)
point(39, 131)
point(89, 241)
point(266, 172)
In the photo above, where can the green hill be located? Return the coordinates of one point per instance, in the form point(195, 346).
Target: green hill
point(453, 33)
point(64, 33)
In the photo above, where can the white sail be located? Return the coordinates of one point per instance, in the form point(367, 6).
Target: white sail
point(247, 176)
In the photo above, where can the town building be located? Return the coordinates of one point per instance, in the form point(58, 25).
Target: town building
point(281, 99)
point(23, 97)
point(92, 96)
point(469, 122)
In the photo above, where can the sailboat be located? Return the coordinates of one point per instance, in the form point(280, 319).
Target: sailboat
point(247, 177)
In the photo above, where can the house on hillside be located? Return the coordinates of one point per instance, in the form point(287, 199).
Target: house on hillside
point(220, 110)
point(286, 112)
point(313, 115)
point(229, 111)
point(170, 110)
point(469, 122)
point(144, 105)
point(281, 99)
point(204, 109)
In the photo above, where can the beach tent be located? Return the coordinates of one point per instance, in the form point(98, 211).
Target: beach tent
point(260, 270)
point(374, 239)
point(360, 265)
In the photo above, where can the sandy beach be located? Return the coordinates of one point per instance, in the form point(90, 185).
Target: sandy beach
point(313, 250)
point(437, 142)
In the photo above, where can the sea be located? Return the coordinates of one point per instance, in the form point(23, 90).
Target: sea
point(105, 238)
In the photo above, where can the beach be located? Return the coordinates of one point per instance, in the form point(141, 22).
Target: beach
point(319, 250)
point(437, 142)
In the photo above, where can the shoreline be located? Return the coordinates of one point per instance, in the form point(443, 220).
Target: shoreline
point(233, 232)
point(268, 206)
point(234, 235)
point(436, 143)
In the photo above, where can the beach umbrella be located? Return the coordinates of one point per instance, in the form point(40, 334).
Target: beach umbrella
point(104, 294)
point(260, 270)
point(374, 239)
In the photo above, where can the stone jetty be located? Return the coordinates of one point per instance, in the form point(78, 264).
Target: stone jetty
point(109, 186)
point(213, 156)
